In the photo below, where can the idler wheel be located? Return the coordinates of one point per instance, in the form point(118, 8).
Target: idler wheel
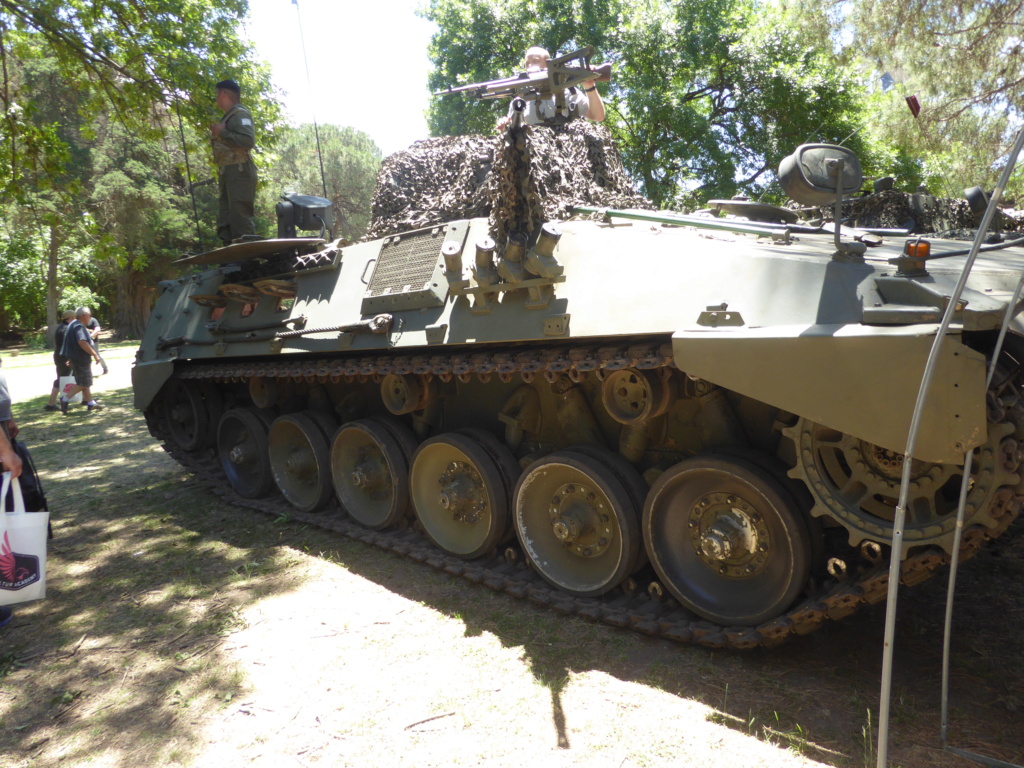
point(300, 461)
point(188, 418)
point(577, 523)
point(459, 494)
point(242, 450)
point(727, 540)
point(370, 471)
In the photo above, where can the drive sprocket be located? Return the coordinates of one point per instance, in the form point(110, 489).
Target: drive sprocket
point(857, 483)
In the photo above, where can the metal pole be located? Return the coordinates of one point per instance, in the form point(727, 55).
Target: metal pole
point(955, 558)
point(312, 98)
point(899, 523)
point(188, 173)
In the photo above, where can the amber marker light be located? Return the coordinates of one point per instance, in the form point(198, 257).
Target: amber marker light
point(917, 249)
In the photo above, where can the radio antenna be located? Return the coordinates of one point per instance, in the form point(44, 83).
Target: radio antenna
point(309, 82)
point(188, 171)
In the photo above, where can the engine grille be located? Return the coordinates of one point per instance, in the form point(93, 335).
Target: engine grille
point(409, 273)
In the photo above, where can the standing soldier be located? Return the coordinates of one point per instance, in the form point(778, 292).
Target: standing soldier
point(233, 139)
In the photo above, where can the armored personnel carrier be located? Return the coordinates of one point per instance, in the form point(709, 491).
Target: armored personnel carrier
point(690, 425)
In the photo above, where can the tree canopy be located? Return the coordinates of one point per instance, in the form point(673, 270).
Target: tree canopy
point(124, 57)
point(963, 60)
point(968, 53)
point(350, 162)
point(706, 96)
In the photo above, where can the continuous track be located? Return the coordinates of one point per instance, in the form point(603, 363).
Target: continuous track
point(637, 606)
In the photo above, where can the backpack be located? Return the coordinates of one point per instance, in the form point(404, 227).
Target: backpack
point(58, 338)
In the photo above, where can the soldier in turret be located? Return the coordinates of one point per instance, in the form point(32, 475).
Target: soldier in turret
point(233, 139)
point(582, 101)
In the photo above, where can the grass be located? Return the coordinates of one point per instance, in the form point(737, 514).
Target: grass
point(180, 631)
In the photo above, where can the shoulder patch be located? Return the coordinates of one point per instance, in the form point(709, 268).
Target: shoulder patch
point(246, 121)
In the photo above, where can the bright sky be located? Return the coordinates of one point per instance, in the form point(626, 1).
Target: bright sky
point(367, 59)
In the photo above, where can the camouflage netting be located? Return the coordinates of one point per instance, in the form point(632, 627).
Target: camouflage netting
point(433, 181)
point(519, 178)
point(922, 214)
point(541, 173)
point(523, 178)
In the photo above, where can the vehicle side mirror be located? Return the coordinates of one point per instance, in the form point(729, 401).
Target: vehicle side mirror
point(809, 174)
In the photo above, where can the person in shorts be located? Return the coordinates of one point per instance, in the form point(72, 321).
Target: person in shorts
point(62, 363)
point(78, 349)
point(93, 326)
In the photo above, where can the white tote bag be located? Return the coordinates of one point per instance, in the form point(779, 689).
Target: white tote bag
point(22, 548)
point(65, 384)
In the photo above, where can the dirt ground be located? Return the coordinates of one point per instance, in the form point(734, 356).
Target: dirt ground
point(178, 631)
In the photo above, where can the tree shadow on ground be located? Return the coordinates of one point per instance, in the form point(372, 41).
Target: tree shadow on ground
point(816, 694)
point(141, 587)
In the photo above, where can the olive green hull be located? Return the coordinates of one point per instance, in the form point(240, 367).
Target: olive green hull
point(838, 342)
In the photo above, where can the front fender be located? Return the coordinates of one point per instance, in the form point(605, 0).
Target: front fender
point(862, 380)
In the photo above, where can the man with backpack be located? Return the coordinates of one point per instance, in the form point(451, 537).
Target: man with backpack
point(62, 363)
point(78, 349)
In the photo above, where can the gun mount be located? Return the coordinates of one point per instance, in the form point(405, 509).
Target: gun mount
point(560, 75)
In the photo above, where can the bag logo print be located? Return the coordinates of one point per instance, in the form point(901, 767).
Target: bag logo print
point(16, 571)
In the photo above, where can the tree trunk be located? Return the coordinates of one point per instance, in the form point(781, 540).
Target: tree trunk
point(132, 304)
point(52, 290)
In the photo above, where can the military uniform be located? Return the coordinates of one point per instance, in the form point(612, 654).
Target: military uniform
point(236, 174)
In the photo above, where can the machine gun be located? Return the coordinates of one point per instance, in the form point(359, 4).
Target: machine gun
point(541, 84)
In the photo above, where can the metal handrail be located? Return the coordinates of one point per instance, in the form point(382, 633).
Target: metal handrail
point(780, 231)
point(899, 523)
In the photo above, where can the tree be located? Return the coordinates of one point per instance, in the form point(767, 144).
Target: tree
point(143, 218)
point(127, 56)
point(23, 272)
point(46, 200)
point(962, 59)
point(350, 161)
point(970, 52)
point(712, 95)
point(22, 283)
point(707, 95)
point(136, 63)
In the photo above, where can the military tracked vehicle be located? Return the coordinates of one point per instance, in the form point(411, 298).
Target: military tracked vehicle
point(693, 426)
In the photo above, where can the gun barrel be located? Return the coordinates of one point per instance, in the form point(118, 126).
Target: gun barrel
point(489, 85)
